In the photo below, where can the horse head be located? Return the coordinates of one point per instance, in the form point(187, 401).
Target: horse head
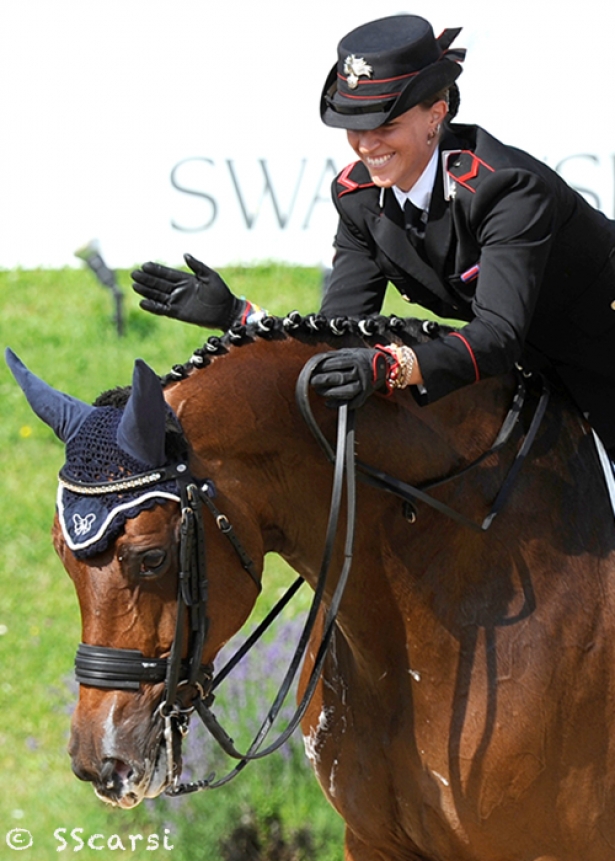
point(126, 500)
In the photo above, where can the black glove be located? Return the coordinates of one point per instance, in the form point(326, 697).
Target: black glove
point(351, 375)
point(202, 298)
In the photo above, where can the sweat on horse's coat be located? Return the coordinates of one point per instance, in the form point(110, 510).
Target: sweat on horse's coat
point(466, 710)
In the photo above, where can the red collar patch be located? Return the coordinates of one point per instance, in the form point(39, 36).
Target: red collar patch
point(466, 168)
point(349, 184)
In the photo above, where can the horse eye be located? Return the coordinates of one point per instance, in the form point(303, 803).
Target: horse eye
point(152, 561)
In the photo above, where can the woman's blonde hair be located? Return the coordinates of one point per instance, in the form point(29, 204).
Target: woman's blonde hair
point(450, 95)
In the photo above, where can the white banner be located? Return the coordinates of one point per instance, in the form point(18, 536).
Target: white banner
point(164, 126)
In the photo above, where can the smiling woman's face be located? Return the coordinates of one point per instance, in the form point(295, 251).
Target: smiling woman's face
point(398, 152)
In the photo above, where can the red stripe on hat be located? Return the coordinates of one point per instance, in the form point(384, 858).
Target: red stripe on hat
point(381, 80)
point(381, 97)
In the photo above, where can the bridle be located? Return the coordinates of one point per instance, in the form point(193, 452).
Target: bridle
point(127, 669)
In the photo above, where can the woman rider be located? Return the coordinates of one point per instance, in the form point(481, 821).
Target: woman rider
point(458, 222)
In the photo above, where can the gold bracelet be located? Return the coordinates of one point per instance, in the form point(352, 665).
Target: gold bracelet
point(405, 365)
point(406, 359)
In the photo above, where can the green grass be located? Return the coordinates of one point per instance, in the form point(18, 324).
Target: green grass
point(59, 323)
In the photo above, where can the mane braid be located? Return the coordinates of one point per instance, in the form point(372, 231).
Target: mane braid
point(315, 328)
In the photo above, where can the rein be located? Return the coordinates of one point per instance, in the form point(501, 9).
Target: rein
point(410, 493)
point(344, 467)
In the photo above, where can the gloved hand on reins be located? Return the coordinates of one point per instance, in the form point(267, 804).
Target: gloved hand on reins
point(202, 298)
point(351, 375)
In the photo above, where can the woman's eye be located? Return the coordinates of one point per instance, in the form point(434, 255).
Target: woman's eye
point(152, 561)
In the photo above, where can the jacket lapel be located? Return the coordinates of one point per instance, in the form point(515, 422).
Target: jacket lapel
point(438, 234)
point(386, 226)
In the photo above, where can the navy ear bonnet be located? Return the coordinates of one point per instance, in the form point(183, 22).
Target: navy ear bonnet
point(117, 462)
point(90, 522)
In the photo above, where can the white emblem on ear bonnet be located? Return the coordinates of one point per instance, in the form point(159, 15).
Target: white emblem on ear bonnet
point(83, 524)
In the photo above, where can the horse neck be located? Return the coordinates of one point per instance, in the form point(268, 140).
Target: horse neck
point(246, 433)
point(423, 444)
point(245, 429)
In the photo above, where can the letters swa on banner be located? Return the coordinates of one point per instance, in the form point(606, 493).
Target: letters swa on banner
point(254, 192)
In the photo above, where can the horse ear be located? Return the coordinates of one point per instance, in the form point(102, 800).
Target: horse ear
point(61, 412)
point(141, 432)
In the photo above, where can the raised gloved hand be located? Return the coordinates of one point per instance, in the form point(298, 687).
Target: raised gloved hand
point(351, 375)
point(202, 298)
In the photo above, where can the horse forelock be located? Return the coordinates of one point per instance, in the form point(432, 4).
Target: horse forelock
point(176, 445)
point(316, 329)
point(116, 397)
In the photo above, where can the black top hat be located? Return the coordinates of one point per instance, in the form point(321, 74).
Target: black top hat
point(385, 68)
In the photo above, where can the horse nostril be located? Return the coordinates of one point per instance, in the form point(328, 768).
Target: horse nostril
point(82, 773)
point(122, 769)
point(113, 774)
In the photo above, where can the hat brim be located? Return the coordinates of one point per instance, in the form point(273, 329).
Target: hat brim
point(336, 113)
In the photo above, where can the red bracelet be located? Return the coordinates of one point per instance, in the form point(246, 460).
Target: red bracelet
point(393, 366)
point(400, 371)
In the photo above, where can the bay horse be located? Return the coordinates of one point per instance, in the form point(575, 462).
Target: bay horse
point(465, 710)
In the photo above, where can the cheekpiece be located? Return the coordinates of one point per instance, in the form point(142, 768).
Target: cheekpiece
point(386, 67)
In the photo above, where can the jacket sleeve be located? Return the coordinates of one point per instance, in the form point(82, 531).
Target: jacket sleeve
point(511, 215)
point(357, 286)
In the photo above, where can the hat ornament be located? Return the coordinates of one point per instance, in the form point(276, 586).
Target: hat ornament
point(354, 67)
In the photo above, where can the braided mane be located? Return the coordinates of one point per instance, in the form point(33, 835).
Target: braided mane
point(314, 328)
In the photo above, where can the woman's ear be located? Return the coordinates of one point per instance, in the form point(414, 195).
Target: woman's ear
point(439, 110)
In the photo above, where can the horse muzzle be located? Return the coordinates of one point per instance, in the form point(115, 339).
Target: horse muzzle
point(123, 762)
point(122, 783)
point(123, 786)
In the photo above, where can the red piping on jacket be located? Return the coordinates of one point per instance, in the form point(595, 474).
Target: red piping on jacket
point(470, 351)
